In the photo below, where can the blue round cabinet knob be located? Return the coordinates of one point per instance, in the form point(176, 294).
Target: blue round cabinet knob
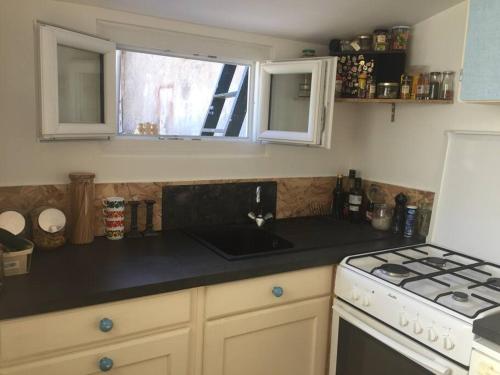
point(277, 291)
point(105, 364)
point(105, 325)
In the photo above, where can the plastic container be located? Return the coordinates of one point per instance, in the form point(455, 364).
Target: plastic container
point(399, 39)
point(17, 262)
point(387, 90)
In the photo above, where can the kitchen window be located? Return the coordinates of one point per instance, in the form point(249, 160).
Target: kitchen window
point(171, 96)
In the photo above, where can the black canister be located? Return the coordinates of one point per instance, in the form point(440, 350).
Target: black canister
point(398, 220)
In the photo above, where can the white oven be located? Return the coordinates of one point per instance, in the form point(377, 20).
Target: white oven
point(362, 345)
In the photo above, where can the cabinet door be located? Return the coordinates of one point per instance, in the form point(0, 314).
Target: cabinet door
point(161, 354)
point(77, 84)
point(286, 340)
point(294, 99)
point(481, 56)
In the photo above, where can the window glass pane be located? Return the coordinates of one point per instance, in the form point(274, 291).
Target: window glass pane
point(173, 96)
point(80, 77)
point(289, 102)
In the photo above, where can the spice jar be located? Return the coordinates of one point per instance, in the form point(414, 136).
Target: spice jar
point(381, 40)
point(406, 83)
point(382, 217)
point(364, 42)
point(400, 36)
point(446, 90)
point(434, 85)
point(371, 88)
point(387, 90)
point(82, 191)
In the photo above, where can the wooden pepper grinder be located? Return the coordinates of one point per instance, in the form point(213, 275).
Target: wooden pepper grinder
point(82, 191)
point(149, 231)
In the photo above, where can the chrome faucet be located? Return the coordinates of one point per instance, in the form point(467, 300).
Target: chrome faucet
point(259, 218)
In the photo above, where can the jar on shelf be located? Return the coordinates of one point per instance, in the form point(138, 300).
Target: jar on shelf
point(399, 39)
point(345, 46)
point(387, 90)
point(382, 217)
point(381, 40)
point(434, 86)
point(446, 89)
point(364, 42)
point(406, 83)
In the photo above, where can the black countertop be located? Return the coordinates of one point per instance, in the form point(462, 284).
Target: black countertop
point(488, 328)
point(105, 271)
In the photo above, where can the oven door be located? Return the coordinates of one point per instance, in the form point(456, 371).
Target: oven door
point(362, 345)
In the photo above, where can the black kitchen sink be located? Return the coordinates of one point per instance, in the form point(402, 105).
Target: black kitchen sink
point(236, 242)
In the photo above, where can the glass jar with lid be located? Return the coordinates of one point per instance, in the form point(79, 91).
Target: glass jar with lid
point(399, 38)
point(446, 89)
point(381, 40)
point(387, 90)
point(364, 42)
point(382, 217)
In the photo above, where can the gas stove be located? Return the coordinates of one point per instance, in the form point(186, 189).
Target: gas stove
point(428, 293)
point(460, 283)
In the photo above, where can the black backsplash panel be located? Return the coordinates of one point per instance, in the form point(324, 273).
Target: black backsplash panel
point(193, 205)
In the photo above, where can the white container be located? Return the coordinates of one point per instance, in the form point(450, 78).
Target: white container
point(17, 262)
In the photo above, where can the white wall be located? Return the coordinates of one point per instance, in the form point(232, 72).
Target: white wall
point(24, 160)
point(409, 151)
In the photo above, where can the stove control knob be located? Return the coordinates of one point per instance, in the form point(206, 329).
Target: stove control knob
point(366, 301)
point(447, 343)
point(417, 328)
point(355, 295)
point(403, 319)
point(432, 335)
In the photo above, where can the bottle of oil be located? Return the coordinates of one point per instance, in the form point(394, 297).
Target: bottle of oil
point(338, 198)
point(355, 201)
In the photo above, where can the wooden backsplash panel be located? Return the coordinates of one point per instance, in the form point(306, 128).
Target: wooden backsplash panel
point(299, 196)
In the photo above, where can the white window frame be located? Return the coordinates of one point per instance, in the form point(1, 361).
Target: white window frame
point(317, 109)
point(250, 96)
point(51, 127)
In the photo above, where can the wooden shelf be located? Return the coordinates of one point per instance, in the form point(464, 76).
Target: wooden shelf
point(393, 102)
point(371, 52)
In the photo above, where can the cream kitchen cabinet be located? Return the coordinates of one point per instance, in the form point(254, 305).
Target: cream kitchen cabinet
point(285, 340)
point(275, 324)
point(272, 325)
point(159, 354)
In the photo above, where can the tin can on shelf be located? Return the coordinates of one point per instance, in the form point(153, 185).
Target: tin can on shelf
point(410, 221)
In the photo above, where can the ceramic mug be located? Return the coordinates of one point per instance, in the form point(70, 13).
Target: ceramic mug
point(114, 217)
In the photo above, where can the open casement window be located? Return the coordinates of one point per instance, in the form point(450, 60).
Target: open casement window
point(295, 101)
point(77, 85)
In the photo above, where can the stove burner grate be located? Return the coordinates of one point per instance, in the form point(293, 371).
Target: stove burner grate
point(494, 281)
point(394, 270)
point(436, 262)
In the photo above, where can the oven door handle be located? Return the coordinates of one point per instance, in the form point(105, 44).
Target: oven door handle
point(418, 358)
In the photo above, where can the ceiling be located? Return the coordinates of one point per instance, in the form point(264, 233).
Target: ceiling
point(307, 20)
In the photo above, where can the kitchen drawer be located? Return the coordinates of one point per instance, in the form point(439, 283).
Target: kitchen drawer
point(234, 297)
point(62, 330)
point(160, 354)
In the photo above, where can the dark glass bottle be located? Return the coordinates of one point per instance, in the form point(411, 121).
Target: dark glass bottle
point(338, 198)
point(398, 220)
point(355, 201)
point(350, 185)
